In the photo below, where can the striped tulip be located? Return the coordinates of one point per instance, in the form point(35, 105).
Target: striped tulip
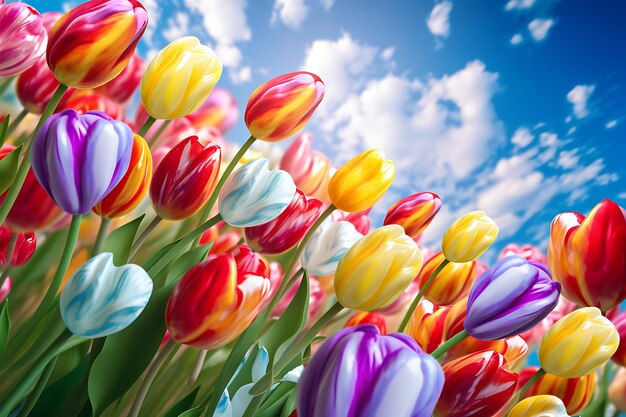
point(327, 246)
point(89, 101)
point(185, 179)
point(453, 282)
point(539, 406)
point(514, 349)
point(534, 335)
point(22, 38)
point(358, 372)
point(587, 255)
point(218, 110)
point(134, 185)
point(281, 107)
point(469, 237)
point(121, 88)
point(216, 300)
point(364, 317)
point(317, 296)
point(431, 325)
point(35, 87)
point(92, 43)
point(576, 393)
point(25, 245)
point(5, 288)
point(414, 213)
point(528, 252)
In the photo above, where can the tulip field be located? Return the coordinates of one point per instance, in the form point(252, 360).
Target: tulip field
point(149, 268)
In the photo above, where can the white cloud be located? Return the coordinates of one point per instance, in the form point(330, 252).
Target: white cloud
point(519, 4)
point(622, 196)
point(241, 75)
point(539, 28)
point(439, 20)
point(516, 39)
point(579, 97)
point(522, 137)
point(176, 27)
point(154, 14)
point(327, 4)
point(568, 159)
point(290, 12)
point(611, 124)
point(387, 54)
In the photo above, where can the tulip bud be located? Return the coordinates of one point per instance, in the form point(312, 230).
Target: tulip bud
point(358, 369)
point(216, 300)
point(514, 349)
point(286, 230)
point(414, 213)
point(219, 110)
point(281, 107)
point(22, 38)
point(469, 237)
point(131, 190)
point(79, 159)
point(478, 384)
point(364, 317)
point(254, 195)
point(179, 79)
point(121, 88)
point(617, 390)
point(620, 324)
point(361, 181)
point(578, 343)
point(528, 252)
point(35, 87)
point(101, 299)
point(5, 289)
point(327, 246)
point(377, 268)
point(587, 255)
point(185, 179)
point(87, 101)
point(453, 282)
point(510, 298)
point(25, 244)
point(576, 393)
point(431, 325)
point(539, 406)
point(92, 43)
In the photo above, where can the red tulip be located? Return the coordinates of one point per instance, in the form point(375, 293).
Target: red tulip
point(121, 88)
point(360, 220)
point(431, 325)
point(364, 317)
point(514, 349)
point(25, 245)
point(286, 230)
point(35, 86)
point(185, 179)
point(83, 103)
point(620, 325)
point(414, 213)
point(478, 384)
point(5, 288)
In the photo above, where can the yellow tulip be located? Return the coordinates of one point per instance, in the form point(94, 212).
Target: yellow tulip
point(539, 406)
point(578, 343)
point(179, 79)
point(469, 237)
point(361, 181)
point(377, 269)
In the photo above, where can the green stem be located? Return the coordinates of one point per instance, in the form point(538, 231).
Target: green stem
point(450, 343)
point(146, 126)
point(15, 123)
point(4, 83)
point(144, 236)
point(197, 367)
point(159, 132)
point(540, 372)
point(34, 395)
point(420, 295)
point(22, 170)
point(8, 255)
point(102, 234)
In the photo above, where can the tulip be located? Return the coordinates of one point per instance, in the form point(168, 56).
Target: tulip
point(254, 195)
point(539, 406)
point(377, 268)
point(359, 372)
point(528, 252)
point(22, 38)
point(469, 237)
point(316, 299)
point(576, 393)
point(101, 299)
point(35, 87)
point(578, 343)
point(620, 324)
point(510, 298)
point(49, 19)
point(84, 103)
point(617, 390)
point(185, 179)
point(79, 159)
point(218, 110)
point(478, 384)
point(92, 43)
point(453, 282)
point(361, 181)
point(215, 301)
point(431, 325)
point(587, 255)
point(121, 88)
point(414, 213)
point(534, 335)
point(364, 317)
point(5, 289)
point(179, 79)
point(286, 230)
point(224, 242)
point(131, 190)
point(514, 349)
point(310, 169)
point(24, 247)
point(361, 220)
point(281, 107)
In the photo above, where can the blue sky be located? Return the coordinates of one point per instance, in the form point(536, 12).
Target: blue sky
point(514, 107)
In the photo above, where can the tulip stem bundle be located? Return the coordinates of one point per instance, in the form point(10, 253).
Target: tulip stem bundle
point(146, 126)
point(15, 123)
point(420, 294)
point(450, 343)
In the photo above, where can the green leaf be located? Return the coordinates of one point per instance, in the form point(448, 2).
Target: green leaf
point(290, 404)
point(68, 361)
point(273, 404)
point(5, 326)
point(183, 404)
point(121, 240)
point(4, 127)
point(8, 168)
point(185, 262)
point(194, 412)
point(127, 354)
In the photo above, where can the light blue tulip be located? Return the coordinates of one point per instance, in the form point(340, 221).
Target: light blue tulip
point(254, 195)
point(327, 246)
point(101, 299)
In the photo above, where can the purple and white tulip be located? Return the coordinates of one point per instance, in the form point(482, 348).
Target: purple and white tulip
point(358, 372)
point(510, 298)
point(79, 159)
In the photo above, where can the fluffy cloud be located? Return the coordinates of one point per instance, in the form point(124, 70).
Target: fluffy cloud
point(611, 124)
point(522, 137)
point(519, 4)
point(579, 97)
point(154, 12)
point(290, 12)
point(539, 28)
point(439, 20)
point(516, 39)
point(177, 27)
